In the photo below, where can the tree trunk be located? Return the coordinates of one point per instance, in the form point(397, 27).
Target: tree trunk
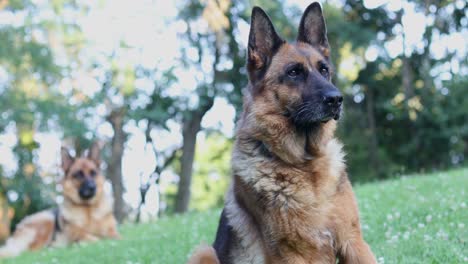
point(155, 178)
point(114, 171)
point(407, 76)
point(374, 143)
point(143, 190)
point(190, 129)
point(425, 69)
point(407, 73)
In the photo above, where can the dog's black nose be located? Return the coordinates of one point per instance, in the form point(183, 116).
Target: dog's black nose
point(87, 189)
point(333, 98)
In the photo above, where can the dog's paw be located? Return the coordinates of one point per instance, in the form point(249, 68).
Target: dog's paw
point(89, 239)
point(115, 236)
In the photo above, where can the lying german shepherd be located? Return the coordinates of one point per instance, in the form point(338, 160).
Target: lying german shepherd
point(85, 214)
point(290, 200)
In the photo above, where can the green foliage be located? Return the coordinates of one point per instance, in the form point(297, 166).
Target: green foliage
point(419, 126)
point(417, 219)
point(32, 194)
point(211, 175)
point(160, 107)
point(29, 100)
point(211, 172)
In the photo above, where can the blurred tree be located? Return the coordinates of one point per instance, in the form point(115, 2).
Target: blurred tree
point(402, 97)
point(208, 43)
point(29, 98)
point(117, 94)
point(114, 170)
point(163, 160)
point(156, 113)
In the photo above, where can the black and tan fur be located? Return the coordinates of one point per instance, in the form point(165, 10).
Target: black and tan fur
point(85, 215)
point(290, 200)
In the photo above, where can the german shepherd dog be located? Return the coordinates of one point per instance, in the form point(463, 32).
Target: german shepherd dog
point(290, 200)
point(85, 215)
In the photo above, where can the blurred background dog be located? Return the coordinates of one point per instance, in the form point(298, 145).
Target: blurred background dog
point(85, 215)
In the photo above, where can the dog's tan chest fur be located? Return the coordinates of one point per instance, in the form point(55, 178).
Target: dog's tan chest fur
point(293, 205)
point(89, 223)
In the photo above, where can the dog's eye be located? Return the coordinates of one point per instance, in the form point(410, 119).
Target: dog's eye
point(295, 71)
point(92, 173)
point(78, 175)
point(324, 71)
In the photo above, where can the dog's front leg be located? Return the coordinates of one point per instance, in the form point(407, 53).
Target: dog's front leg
point(295, 258)
point(112, 232)
point(77, 234)
point(356, 252)
point(109, 227)
point(89, 238)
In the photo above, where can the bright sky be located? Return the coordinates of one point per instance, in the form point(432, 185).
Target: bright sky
point(142, 25)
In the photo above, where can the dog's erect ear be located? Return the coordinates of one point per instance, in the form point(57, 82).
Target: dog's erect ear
point(312, 28)
point(94, 153)
point(67, 159)
point(263, 43)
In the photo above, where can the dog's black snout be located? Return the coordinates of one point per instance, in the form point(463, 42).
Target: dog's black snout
point(87, 189)
point(333, 98)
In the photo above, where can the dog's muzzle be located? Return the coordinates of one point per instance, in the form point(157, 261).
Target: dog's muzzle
point(87, 189)
point(318, 109)
point(333, 101)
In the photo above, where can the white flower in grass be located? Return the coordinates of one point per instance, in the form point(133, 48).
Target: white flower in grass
point(406, 235)
point(463, 205)
point(442, 235)
point(389, 217)
point(397, 215)
point(429, 218)
point(461, 225)
point(421, 225)
point(381, 260)
point(427, 238)
point(388, 234)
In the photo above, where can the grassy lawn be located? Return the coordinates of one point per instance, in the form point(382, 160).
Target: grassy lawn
point(416, 219)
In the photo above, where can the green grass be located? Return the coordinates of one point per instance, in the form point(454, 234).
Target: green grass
point(416, 219)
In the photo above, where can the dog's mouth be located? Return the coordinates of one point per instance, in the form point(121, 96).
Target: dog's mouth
point(336, 116)
point(330, 117)
point(307, 116)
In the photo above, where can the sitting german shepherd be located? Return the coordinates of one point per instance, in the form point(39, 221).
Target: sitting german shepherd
point(290, 200)
point(85, 215)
